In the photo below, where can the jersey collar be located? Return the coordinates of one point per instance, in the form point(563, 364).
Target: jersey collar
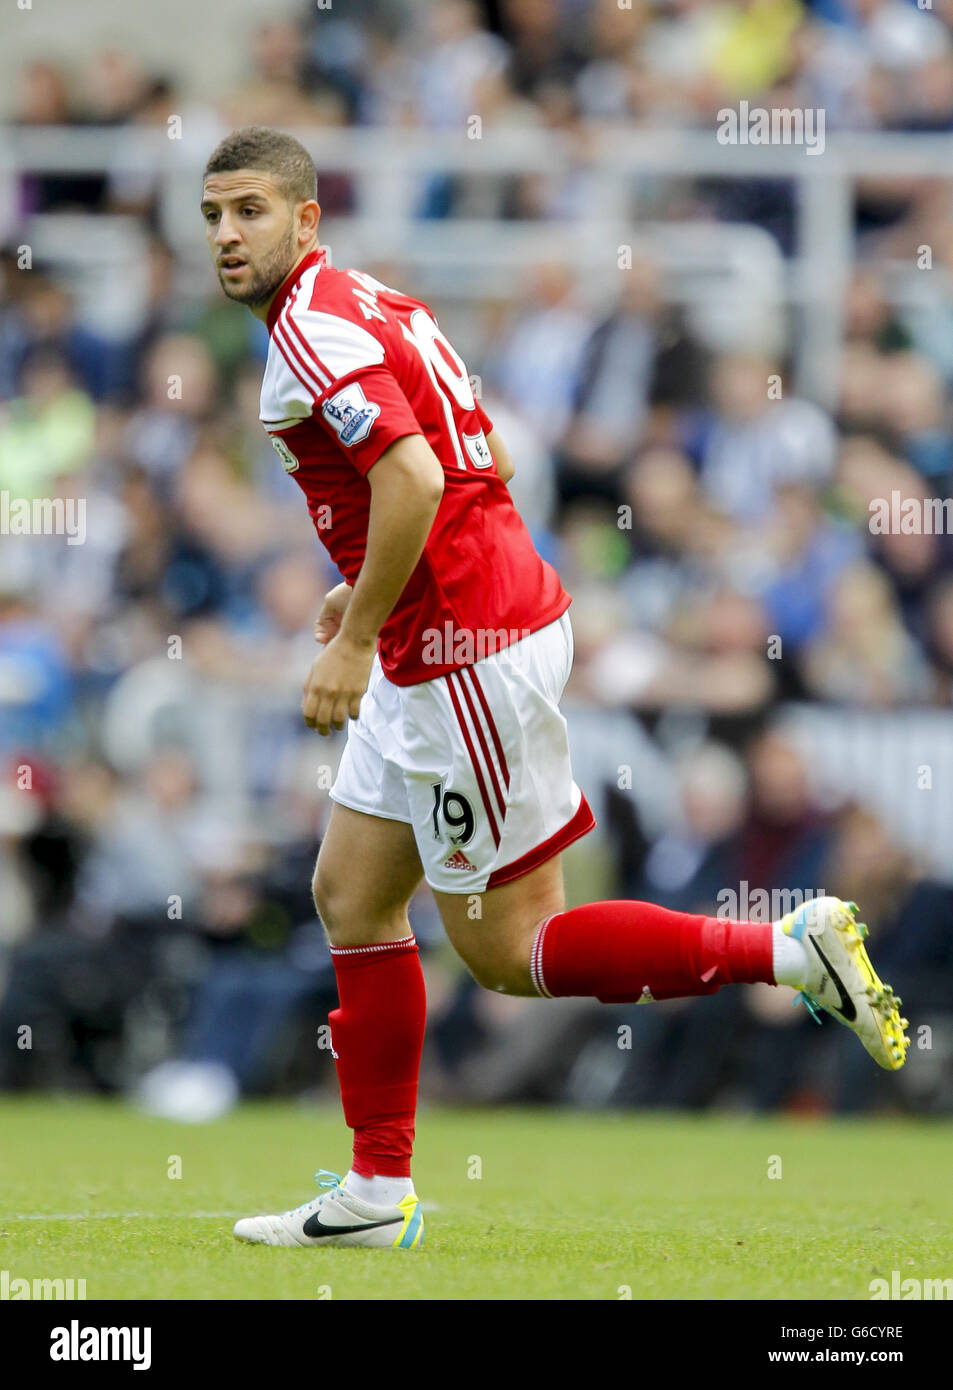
point(316, 257)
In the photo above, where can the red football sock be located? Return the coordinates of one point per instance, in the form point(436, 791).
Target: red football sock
point(377, 1037)
point(623, 951)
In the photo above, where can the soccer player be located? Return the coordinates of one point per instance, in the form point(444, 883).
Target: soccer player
point(447, 649)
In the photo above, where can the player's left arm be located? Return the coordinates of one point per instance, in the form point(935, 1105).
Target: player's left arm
point(501, 455)
point(406, 486)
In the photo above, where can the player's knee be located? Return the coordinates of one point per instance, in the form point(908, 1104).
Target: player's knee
point(337, 914)
point(328, 902)
point(351, 917)
point(344, 919)
point(503, 974)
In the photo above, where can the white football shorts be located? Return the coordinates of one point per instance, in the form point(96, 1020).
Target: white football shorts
point(477, 761)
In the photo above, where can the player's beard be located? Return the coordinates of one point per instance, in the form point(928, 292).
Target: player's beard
point(267, 276)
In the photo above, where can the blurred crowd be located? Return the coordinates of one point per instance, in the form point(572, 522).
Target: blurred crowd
point(161, 802)
point(870, 64)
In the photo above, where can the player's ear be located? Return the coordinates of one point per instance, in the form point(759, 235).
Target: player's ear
point(309, 215)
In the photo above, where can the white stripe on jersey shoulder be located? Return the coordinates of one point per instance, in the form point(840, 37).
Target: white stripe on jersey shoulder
point(339, 345)
point(288, 389)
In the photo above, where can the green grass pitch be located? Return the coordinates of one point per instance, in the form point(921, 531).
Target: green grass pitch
point(567, 1205)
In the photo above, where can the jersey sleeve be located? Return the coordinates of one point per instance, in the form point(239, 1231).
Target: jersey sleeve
point(355, 397)
point(365, 414)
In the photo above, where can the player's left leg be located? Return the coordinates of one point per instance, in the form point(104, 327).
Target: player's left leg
point(494, 937)
point(522, 941)
point(509, 800)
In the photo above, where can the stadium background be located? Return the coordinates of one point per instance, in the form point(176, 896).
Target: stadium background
point(762, 686)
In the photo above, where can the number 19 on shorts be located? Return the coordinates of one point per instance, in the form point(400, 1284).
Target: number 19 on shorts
point(457, 815)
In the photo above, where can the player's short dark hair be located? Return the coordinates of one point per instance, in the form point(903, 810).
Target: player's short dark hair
point(271, 152)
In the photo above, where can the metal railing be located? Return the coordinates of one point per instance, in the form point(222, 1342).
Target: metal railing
point(388, 166)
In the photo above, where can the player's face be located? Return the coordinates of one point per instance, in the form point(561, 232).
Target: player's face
point(251, 232)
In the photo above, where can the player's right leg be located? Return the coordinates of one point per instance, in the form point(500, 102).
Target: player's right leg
point(367, 871)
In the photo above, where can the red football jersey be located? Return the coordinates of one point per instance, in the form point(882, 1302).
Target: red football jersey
point(352, 366)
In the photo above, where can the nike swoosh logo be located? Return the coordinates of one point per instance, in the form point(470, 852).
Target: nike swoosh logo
point(847, 1009)
point(315, 1227)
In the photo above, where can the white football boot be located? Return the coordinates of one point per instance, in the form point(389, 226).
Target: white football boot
point(842, 981)
point(337, 1217)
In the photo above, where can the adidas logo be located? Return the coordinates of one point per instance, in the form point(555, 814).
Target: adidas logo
point(458, 861)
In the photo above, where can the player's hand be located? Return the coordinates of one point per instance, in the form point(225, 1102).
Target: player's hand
point(335, 684)
point(332, 611)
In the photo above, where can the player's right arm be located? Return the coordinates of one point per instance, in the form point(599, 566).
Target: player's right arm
point(504, 464)
point(407, 484)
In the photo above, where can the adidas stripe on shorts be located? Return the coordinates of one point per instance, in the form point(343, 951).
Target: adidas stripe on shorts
point(477, 761)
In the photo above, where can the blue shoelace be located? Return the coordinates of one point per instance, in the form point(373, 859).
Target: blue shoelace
point(810, 1003)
